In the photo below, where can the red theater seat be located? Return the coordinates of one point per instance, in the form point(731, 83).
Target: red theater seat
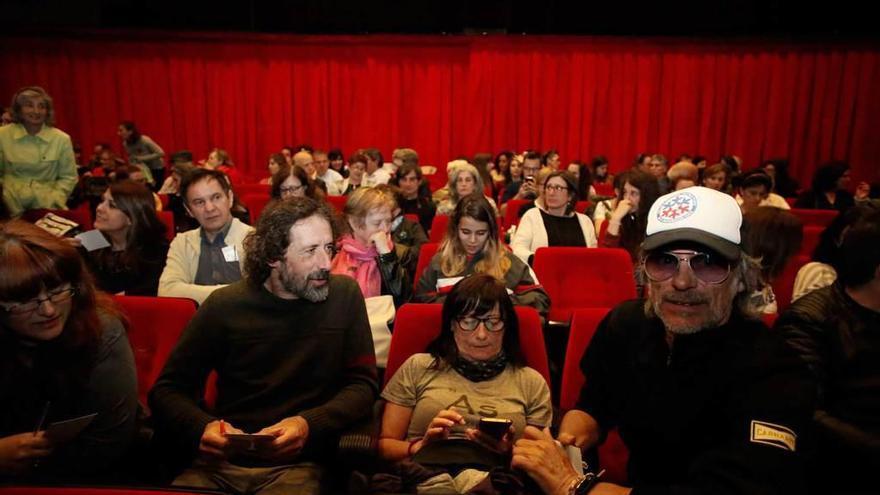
point(576, 278)
point(156, 324)
point(426, 252)
point(613, 454)
point(438, 228)
point(337, 202)
point(416, 325)
point(815, 217)
point(167, 218)
point(255, 203)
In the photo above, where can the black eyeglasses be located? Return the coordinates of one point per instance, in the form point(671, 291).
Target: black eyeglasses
point(708, 268)
point(291, 189)
point(470, 323)
point(57, 295)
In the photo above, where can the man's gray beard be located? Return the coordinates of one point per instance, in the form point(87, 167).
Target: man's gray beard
point(303, 289)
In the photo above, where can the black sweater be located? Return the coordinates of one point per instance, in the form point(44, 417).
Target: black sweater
point(688, 414)
point(274, 359)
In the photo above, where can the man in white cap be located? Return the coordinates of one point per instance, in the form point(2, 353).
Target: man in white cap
point(705, 397)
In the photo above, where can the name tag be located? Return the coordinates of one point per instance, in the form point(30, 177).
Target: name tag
point(230, 254)
point(773, 434)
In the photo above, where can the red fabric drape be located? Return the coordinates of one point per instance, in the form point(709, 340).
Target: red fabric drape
point(446, 96)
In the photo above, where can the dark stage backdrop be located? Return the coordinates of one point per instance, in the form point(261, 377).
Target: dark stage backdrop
point(446, 96)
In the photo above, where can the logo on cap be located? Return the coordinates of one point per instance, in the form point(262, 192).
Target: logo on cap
point(677, 208)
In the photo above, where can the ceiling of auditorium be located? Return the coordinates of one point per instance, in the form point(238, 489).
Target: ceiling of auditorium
point(714, 18)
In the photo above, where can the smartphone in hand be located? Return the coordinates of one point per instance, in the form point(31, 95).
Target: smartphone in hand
point(494, 427)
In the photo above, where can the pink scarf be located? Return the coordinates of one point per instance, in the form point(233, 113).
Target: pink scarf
point(359, 262)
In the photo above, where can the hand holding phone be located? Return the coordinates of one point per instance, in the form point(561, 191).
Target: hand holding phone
point(494, 427)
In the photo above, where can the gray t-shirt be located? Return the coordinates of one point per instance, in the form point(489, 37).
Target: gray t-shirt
point(519, 394)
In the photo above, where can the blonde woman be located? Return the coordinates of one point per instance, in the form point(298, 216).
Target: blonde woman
point(471, 246)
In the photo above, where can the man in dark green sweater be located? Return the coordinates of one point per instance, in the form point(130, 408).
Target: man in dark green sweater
point(293, 353)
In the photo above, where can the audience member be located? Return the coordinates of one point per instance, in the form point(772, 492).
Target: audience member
point(471, 246)
point(820, 272)
point(717, 177)
point(754, 191)
point(37, 167)
point(525, 189)
point(357, 166)
point(63, 354)
point(142, 150)
point(834, 329)
point(414, 196)
point(772, 237)
point(474, 369)
point(276, 162)
point(294, 182)
point(375, 171)
point(783, 184)
point(291, 347)
point(626, 227)
point(504, 167)
point(202, 260)
point(337, 162)
point(683, 175)
point(328, 176)
point(553, 222)
point(464, 180)
point(691, 358)
point(599, 169)
point(658, 167)
point(367, 252)
point(550, 159)
point(218, 159)
point(828, 191)
point(134, 261)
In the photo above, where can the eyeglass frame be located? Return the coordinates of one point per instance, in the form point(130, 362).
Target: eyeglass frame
point(291, 189)
point(691, 254)
point(484, 321)
point(14, 309)
point(555, 187)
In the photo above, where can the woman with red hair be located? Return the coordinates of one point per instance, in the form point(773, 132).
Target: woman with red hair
point(63, 355)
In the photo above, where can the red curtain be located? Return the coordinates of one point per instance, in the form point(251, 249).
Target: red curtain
point(448, 96)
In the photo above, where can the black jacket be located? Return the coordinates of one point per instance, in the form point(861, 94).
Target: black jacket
point(716, 414)
point(840, 341)
point(395, 281)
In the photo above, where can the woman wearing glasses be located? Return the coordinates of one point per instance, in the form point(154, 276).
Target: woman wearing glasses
point(473, 369)
point(63, 355)
point(554, 222)
point(293, 182)
point(471, 247)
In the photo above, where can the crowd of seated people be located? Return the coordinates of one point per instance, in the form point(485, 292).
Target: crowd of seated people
point(338, 278)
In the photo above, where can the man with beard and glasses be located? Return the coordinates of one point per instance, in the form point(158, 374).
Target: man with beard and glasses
point(705, 397)
point(293, 353)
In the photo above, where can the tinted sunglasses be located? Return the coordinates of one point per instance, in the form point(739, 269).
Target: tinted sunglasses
point(707, 267)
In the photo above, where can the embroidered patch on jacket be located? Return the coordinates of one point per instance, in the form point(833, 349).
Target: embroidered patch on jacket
point(772, 434)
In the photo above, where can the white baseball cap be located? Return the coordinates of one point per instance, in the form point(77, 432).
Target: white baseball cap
point(697, 214)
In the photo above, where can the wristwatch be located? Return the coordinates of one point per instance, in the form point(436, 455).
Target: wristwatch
point(585, 483)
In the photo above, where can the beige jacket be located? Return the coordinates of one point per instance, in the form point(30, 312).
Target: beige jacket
point(183, 262)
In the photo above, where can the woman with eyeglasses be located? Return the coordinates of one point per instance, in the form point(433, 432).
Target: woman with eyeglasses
point(471, 246)
point(473, 369)
point(293, 182)
point(135, 258)
point(63, 355)
point(553, 222)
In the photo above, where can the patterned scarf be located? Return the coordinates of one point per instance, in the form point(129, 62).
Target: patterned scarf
point(359, 262)
point(479, 371)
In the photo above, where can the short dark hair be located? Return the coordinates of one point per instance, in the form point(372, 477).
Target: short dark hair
point(200, 174)
point(268, 242)
point(857, 264)
point(825, 178)
point(476, 295)
point(532, 155)
point(757, 178)
point(405, 169)
point(374, 154)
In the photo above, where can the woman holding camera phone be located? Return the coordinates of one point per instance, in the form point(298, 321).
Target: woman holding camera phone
point(473, 369)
